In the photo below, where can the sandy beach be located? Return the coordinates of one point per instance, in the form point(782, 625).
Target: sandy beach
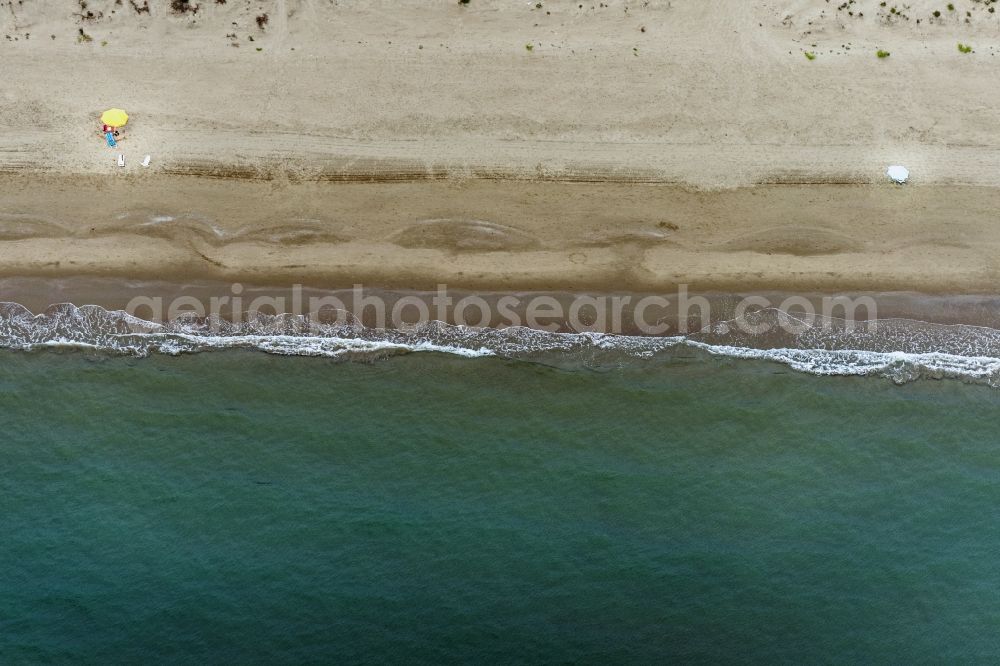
point(635, 146)
point(504, 235)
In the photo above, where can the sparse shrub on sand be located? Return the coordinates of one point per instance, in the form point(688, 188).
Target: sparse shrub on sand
point(530, 47)
point(810, 55)
point(262, 21)
point(882, 54)
point(183, 7)
point(964, 48)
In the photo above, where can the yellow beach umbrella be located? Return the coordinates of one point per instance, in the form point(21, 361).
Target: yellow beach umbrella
point(114, 117)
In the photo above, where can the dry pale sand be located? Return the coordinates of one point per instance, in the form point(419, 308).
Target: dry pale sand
point(636, 146)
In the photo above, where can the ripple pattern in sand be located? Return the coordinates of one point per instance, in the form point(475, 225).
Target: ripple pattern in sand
point(461, 235)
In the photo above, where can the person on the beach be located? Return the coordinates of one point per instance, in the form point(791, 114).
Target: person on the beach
point(110, 133)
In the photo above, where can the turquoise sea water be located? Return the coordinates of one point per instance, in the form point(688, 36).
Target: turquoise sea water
point(240, 507)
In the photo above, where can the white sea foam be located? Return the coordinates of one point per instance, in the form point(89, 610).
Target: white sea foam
point(899, 366)
point(901, 350)
point(290, 345)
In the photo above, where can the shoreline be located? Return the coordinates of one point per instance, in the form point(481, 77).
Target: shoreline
point(204, 298)
point(957, 338)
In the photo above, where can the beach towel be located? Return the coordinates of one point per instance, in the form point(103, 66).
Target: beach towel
point(111, 139)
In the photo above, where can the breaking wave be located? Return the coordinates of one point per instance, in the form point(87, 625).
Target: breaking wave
point(898, 349)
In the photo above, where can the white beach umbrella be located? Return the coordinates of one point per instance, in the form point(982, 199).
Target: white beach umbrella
point(899, 174)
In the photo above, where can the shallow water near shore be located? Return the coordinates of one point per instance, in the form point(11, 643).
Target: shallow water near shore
point(240, 506)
